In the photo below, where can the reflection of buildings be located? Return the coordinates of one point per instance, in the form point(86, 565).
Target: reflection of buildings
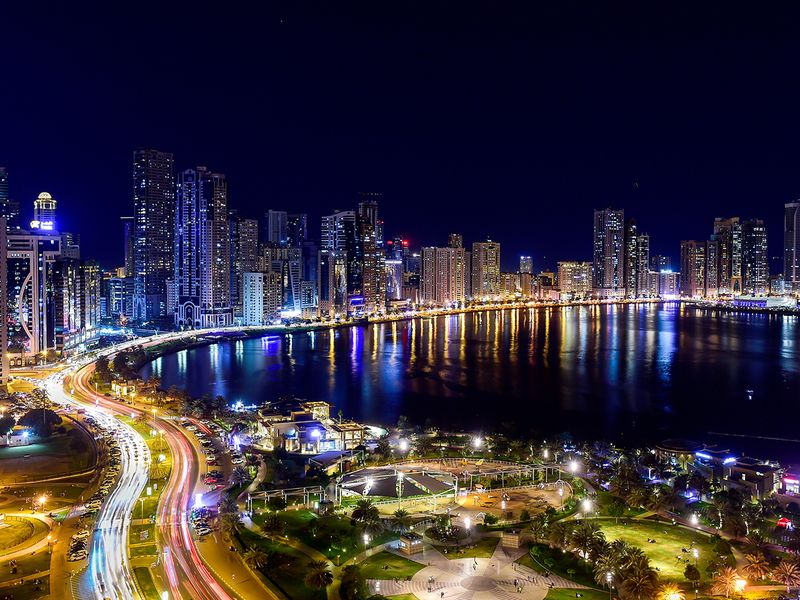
point(307, 428)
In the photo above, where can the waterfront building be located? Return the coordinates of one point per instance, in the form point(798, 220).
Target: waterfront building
point(243, 243)
point(296, 229)
point(286, 262)
point(755, 258)
point(202, 250)
point(44, 213)
point(711, 278)
point(791, 246)
point(276, 224)
point(667, 286)
point(575, 279)
point(331, 283)
point(444, 275)
point(373, 268)
point(728, 235)
point(609, 253)
point(128, 226)
point(262, 298)
point(693, 262)
point(643, 288)
point(509, 285)
point(526, 265)
point(394, 279)
point(630, 260)
point(154, 231)
point(659, 262)
point(485, 269)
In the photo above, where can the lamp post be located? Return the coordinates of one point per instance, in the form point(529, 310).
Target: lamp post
point(154, 417)
point(696, 553)
point(560, 497)
point(141, 501)
point(609, 579)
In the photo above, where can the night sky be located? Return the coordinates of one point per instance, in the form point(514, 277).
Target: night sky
point(512, 122)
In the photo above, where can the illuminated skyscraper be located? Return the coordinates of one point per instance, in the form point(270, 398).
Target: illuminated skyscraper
point(296, 229)
point(154, 231)
point(693, 268)
point(275, 223)
point(455, 240)
point(642, 265)
point(791, 246)
point(609, 252)
point(9, 209)
point(444, 276)
point(485, 269)
point(575, 278)
point(526, 265)
point(755, 258)
point(128, 226)
point(728, 234)
point(44, 213)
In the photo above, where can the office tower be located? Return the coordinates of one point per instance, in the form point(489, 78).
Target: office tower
point(455, 240)
point(630, 259)
point(4, 365)
point(340, 234)
point(485, 269)
point(243, 241)
point(331, 283)
point(202, 250)
point(526, 264)
point(373, 267)
point(728, 234)
point(791, 247)
point(642, 265)
point(693, 263)
point(29, 256)
point(666, 285)
point(275, 222)
point(71, 245)
point(262, 297)
point(296, 229)
point(609, 252)
point(659, 262)
point(755, 259)
point(44, 213)
point(368, 206)
point(154, 231)
point(127, 244)
point(444, 275)
point(9, 209)
point(712, 278)
point(575, 278)
point(394, 279)
point(288, 263)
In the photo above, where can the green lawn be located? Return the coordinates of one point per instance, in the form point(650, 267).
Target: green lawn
point(571, 594)
point(146, 550)
point(385, 565)
point(48, 457)
point(28, 590)
point(403, 597)
point(135, 535)
point(27, 566)
point(13, 533)
point(146, 584)
point(670, 542)
point(483, 548)
point(561, 563)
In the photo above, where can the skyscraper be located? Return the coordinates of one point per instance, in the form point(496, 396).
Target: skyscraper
point(444, 277)
point(575, 278)
point(631, 261)
point(455, 240)
point(128, 226)
point(791, 246)
point(642, 265)
point(275, 222)
point(44, 213)
point(526, 265)
point(3, 296)
point(296, 229)
point(693, 268)
point(373, 268)
point(154, 231)
point(728, 234)
point(609, 252)
point(202, 250)
point(485, 269)
point(9, 209)
point(755, 259)
point(243, 239)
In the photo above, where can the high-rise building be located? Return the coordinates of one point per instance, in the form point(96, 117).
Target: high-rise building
point(4, 366)
point(262, 297)
point(9, 209)
point(526, 264)
point(444, 276)
point(128, 226)
point(202, 250)
point(373, 267)
point(609, 252)
point(693, 263)
point(243, 240)
point(154, 231)
point(44, 213)
point(728, 235)
point(455, 240)
point(711, 277)
point(791, 247)
point(643, 288)
point(575, 278)
point(331, 283)
point(755, 257)
point(659, 263)
point(630, 260)
point(71, 245)
point(296, 229)
point(288, 263)
point(275, 223)
point(485, 269)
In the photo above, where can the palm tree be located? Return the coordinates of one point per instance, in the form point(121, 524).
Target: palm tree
point(538, 529)
point(271, 523)
point(670, 591)
point(756, 544)
point(721, 506)
point(402, 520)
point(585, 536)
point(639, 586)
point(228, 505)
point(365, 511)
point(559, 533)
point(757, 566)
point(239, 475)
point(725, 581)
point(317, 575)
point(229, 523)
point(787, 572)
point(255, 558)
point(606, 563)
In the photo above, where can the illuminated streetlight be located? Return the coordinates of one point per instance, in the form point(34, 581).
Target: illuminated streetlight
point(467, 523)
point(573, 467)
point(609, 579)
point(477, 442)
point(693, 519)
point(403, 445)
point(740, 583)
point(366, 540)
point(587, 505)
point(696, 553)
point(546, 454)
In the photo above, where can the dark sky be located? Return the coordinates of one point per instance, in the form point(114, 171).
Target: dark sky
point(513, 122)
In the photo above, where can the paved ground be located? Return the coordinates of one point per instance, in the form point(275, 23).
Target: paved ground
point(468, 578)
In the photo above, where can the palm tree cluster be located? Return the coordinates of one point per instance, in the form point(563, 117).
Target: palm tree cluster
point(367, 516)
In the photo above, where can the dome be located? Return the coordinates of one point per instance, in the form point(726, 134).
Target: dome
point(45, 196)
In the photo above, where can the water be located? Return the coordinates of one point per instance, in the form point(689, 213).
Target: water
point(619, 372)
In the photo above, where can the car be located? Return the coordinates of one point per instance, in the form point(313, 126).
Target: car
point(191, 427)
point(81, 535)
point(78, 556)
point(203, 531)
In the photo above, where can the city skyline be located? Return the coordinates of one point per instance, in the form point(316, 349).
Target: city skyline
point(407, 118)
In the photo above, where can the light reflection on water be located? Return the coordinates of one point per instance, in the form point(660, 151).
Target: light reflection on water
point(616, 370)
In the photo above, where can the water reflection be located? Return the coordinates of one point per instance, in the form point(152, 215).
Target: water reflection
point(620, 370)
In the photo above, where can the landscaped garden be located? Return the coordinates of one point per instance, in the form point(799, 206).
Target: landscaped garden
point(386, 565)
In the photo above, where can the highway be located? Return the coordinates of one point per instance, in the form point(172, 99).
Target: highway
point(109, 574)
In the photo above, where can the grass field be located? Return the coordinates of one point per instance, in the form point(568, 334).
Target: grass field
point(570, 594)
point(13, 533)
point(146, 550)
point(483, 548)
point(49, 457)
point(146, 584)
point(665, 552)
point(385, 565)
point(403, 597)
point(27, 566)
point(28, 590)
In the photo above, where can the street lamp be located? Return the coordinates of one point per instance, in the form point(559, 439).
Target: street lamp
point(696, 553)
point(694, 520)
point(573, 467)
point(609, 579)
point(42, 500)
point(587, 506)
point(740, 583)
point(366, 541)
point(477, 442)
point(560, 497)
point(403, 445)
point(154, 417)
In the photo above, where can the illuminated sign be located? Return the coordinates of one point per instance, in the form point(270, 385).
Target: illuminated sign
point(702, 455)
point(729, 460)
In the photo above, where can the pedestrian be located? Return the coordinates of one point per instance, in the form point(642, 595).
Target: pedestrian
point(441, 595)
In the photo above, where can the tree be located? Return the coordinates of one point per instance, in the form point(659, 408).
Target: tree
point(255, 558)
point(353, 585)
point(318, 576)
point(725, 581)
point(757, 566)
point(239, 475)
point(616, 509)
point(585, 536)
point(228, 505)
point(692, 573)
point(558, 534)
point(77, 441)
point(7, 423)
point(787, 572)
point(670, 591)
point(41, 420)
point(402, 520)
point(639, 585)
point(102, 372)
point(365, 512)
point(229, 523)
point(538, 528)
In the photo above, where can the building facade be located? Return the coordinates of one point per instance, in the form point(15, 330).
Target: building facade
point(485, 269)
point(609, 253)
point(791, 247)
